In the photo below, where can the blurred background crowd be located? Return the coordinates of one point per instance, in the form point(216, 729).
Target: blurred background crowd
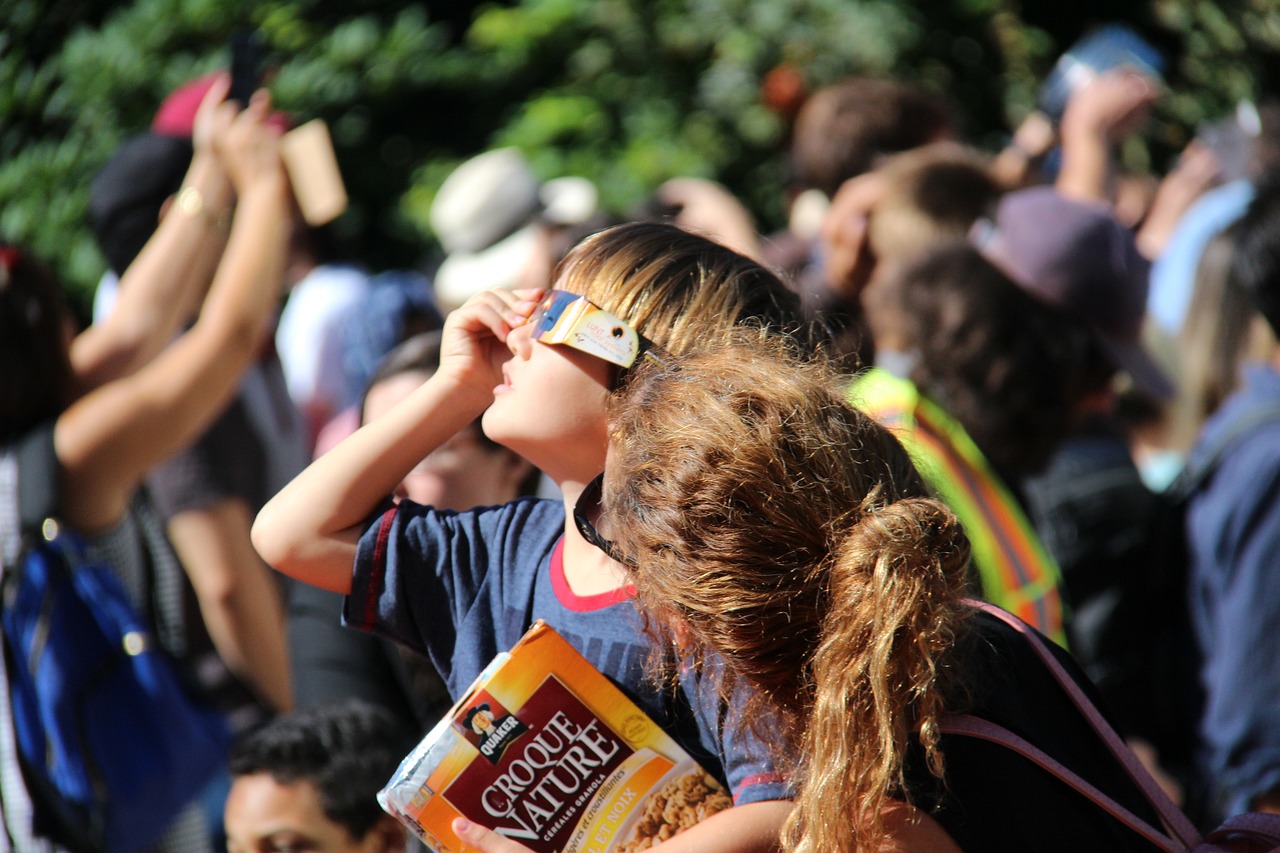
point(1043, 240)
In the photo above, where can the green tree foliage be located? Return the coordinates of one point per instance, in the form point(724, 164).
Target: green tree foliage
point(626, 92)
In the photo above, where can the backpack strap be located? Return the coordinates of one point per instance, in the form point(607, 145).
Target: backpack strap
point(1255, 826)
point(971, 726)
point(1183, 831)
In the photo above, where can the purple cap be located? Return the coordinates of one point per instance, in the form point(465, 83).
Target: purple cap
point(1077, 256)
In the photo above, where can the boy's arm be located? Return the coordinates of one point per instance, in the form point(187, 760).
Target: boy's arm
point(310, 530)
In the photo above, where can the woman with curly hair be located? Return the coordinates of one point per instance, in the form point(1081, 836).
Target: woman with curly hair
point(770, 525)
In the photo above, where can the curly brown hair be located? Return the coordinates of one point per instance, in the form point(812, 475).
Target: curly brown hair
point(1007, 366)
point(784, 532)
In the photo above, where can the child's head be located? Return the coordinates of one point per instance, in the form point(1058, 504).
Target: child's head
point(775, 525)
point(932, 193)
point(36, 328)
point(309, 781)
point(734, 476)
point(469, 469)
point(675, 287)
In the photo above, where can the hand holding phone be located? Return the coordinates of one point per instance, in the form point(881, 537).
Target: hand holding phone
point(1105, 49)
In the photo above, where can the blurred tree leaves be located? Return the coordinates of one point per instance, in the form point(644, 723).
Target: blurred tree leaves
point(626, 92)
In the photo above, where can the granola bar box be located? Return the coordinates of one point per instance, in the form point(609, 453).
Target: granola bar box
point(547, 751)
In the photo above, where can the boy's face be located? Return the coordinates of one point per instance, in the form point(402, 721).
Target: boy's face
point(550, 407)
point(264, 816)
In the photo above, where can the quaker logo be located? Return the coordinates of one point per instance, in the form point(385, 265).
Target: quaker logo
point(489, 726)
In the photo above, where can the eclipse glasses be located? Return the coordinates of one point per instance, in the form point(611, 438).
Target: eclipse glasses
point(572, 320)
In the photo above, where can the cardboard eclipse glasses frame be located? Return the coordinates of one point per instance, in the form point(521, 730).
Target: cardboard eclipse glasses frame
point(572, 320)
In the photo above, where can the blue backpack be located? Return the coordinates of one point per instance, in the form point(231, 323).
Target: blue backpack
point(112, 743)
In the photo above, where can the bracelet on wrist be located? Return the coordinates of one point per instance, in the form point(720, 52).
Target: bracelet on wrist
point(191, 203)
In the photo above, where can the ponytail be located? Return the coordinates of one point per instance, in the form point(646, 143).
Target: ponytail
point(895, 587)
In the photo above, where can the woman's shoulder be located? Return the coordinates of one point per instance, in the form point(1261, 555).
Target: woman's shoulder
point(1006, 681)
point(992, 796)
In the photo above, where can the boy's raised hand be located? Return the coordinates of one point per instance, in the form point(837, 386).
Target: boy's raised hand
point(474, 341)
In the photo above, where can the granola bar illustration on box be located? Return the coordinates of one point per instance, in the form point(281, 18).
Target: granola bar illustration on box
point(546, 750)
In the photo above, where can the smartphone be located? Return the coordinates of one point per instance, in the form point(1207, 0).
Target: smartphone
point(1108, 47)
point(247, 54)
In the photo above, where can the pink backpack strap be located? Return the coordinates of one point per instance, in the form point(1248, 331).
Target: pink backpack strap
point(976, 727)
point(1183, 831)
point(1250, 831)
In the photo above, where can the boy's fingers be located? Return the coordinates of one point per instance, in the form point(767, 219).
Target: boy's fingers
point(483, 840)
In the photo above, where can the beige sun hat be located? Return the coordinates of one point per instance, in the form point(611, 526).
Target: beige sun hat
point(488, 216)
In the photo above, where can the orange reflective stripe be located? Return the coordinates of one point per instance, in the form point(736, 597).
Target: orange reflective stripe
point(1025, 578)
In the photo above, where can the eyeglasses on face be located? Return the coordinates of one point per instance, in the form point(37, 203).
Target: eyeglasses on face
point(588, 508)
point(572, 320)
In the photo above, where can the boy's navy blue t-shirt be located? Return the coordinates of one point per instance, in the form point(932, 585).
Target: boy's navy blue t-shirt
point(461, 587)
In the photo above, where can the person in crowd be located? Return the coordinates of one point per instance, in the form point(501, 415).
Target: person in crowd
point(880, 221)
point(462, 587)
point(1233, 533)
point(1090, 505)
point(208, 491)
point(469, 470)
point(123, 394)
point(398, 306)
point(1223, 332)
point(309, 781)
point(983, 398)
point(844, 130)
point(767, 522)
point(325, 291)
point(1174, 270)
point(500, 226)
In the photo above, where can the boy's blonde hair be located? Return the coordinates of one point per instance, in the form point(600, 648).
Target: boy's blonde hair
point(678, 288)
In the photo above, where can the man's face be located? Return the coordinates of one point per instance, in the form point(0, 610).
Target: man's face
point(264, 816)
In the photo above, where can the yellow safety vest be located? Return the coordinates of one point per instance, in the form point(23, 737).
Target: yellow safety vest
point(1015, 570)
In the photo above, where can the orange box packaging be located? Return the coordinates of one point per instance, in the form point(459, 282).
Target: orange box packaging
point(547, 751)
